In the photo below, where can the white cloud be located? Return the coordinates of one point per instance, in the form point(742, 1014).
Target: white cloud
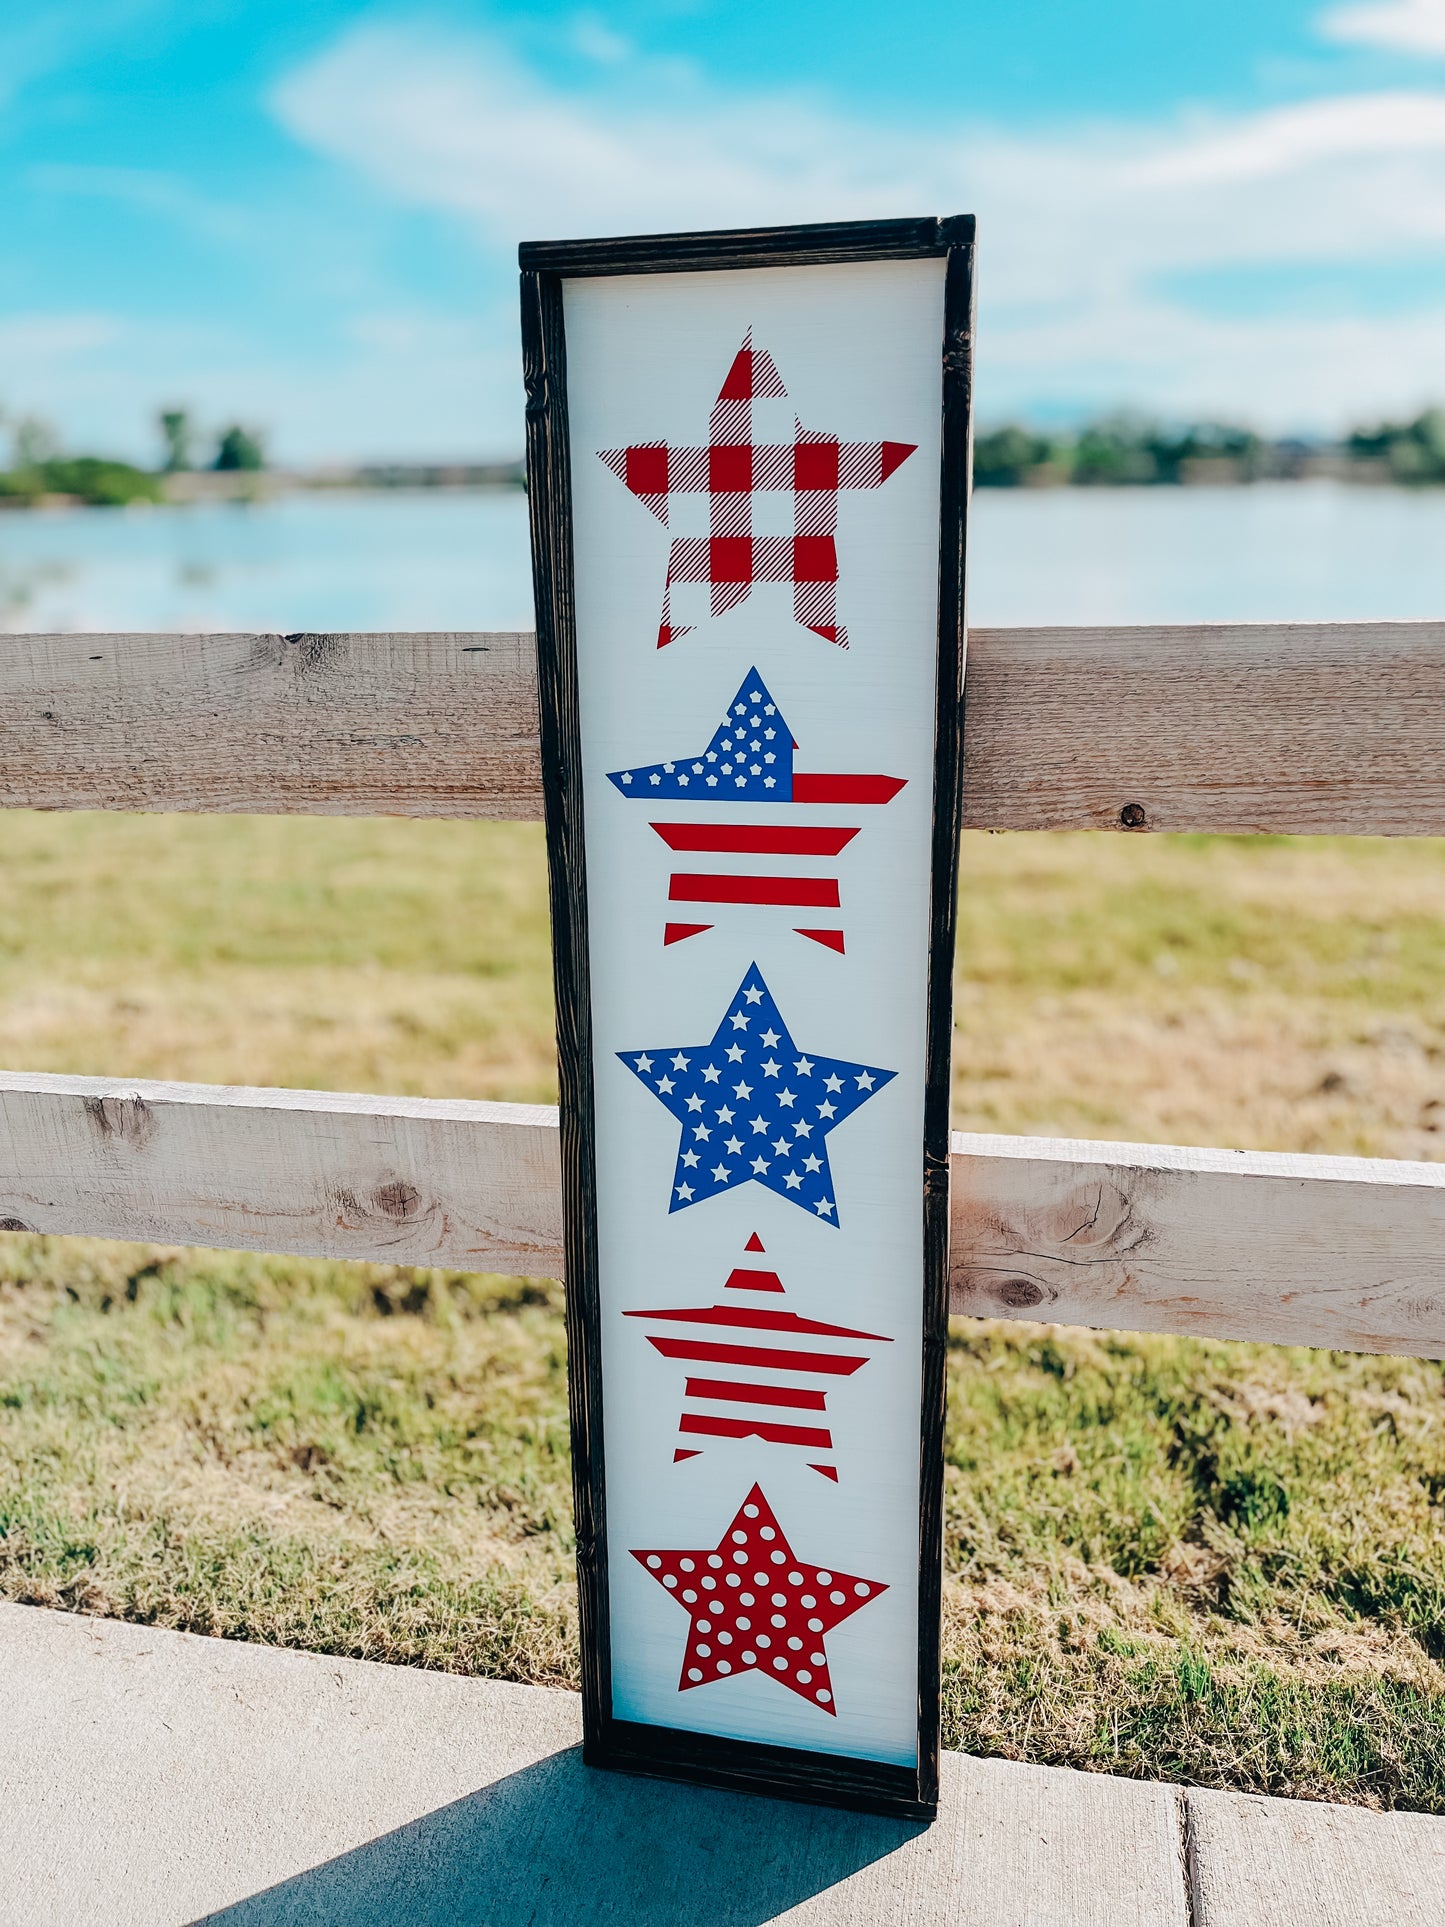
point(1082, 231)
point(52, 340)
point(1287, 139)
point(1400, 26)
point(462, 125)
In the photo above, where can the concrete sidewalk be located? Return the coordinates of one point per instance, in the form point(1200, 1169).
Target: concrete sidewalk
point(150, 1779)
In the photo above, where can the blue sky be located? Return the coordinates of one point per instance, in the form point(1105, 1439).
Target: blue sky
point(307, 216)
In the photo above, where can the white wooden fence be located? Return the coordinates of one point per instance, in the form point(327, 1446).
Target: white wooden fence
point(1307, 728)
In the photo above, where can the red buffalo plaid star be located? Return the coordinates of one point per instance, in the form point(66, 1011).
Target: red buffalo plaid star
point(758, 504)
point(756, 1607)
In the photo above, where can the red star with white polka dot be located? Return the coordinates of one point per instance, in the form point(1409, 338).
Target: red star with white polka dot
point(757, 1608)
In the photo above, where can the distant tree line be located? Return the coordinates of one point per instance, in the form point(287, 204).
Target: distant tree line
point(1131, 451)
point(1119, 450)
point(38, 471)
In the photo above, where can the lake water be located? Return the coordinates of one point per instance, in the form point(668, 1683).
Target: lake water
point(442, 560)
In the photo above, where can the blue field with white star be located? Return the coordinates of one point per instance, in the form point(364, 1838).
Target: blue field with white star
point(754, 1108)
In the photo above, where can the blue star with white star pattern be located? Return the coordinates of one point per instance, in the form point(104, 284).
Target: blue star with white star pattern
point(749, 760)
point(753, 1107)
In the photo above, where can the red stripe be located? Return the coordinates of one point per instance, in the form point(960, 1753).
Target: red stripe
point(827, 1363)
point(756, 1318)
point(697, 1423)
point(830, 939)
point(745, 1392)
point(677, 932)
point(846, 789)
point(818, 892)
point(742, 1279)
point(754, 838)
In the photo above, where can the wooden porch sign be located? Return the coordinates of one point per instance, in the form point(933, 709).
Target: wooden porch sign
point(748, 461)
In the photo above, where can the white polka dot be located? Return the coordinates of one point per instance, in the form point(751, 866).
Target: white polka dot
point(724, 1639)
point(653, 1561)
point(733, 1579)
point(804, 1677)
point(815, 1625)
point(764, 1641)
point(714, 1558)
point(669, 1579)
point(703, 1652)
point(747, 1599)
point(781, 1663)
point(838, 1598)
point(778, 1558)
point(740, 1558)
point(766, 1532)
point(745, 1625)
point(796, 1645)
point(824, 1695)
point(862, 1590)
point(808, 1600)
point(740, 1538)
point(750, 1659)
point(687, 1565)
point(818, 1659)
point(724, 1666)
point(690, 1596)
point(795, 1579)
point(709, 1584)
point(704, 1625)
point(780, 1599)
point(760, 1579)
point(749, 1511)
point(694, 1672)
point(778, 1620)
point(825, 1578)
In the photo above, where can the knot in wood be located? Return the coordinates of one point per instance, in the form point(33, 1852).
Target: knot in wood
point(1019, 1294)
point(129, 1119)
point(398, 1199)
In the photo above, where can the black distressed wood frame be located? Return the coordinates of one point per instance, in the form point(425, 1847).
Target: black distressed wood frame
point(787, 1772)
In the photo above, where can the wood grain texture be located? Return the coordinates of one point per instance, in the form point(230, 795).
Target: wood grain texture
point(1303, 728)
point(377, 725)
point(1305, 1864)
point(1292, 1250)
point(1348, 1252)
point(549, 502)
point(398, 1180)
point(814, 244)
point(1331, 728)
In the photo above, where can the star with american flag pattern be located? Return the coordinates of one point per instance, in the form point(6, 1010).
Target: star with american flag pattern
point(754, 1108)
point(749, 760)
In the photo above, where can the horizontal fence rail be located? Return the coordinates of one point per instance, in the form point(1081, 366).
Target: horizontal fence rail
point(1346, 1252)
point(1308, 728)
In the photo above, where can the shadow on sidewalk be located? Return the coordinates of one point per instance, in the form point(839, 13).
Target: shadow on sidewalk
point(562, 1845)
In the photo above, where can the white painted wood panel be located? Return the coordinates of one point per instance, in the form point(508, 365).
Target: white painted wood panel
point(399, 1180)
point(1347, 1252)
point(1310, 728)
point(1293, 1250)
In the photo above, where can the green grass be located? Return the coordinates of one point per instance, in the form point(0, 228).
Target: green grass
point(1219, 1563)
